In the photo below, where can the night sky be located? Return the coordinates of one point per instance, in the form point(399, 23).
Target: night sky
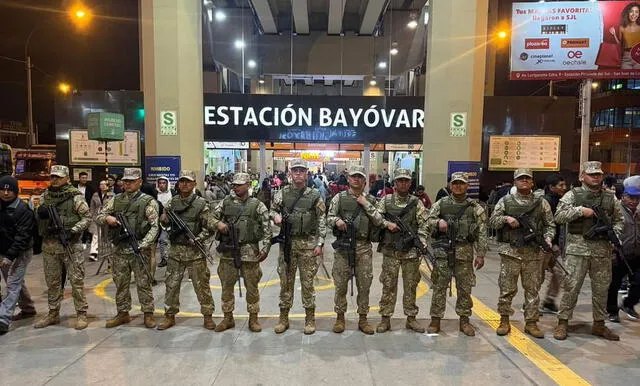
point(105, 56)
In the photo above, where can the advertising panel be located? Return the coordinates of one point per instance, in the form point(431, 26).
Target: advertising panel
point(575, 40)
point(162, 166)
point(472, 168)
point(510, 152)
point(83, 151)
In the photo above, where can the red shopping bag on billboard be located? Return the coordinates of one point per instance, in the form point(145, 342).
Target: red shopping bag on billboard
point(609, 55)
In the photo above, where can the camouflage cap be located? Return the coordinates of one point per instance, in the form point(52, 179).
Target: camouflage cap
point(357, 169)
point(522, 172)
point(131, 174)
point(241, 179)
point(402, 173)
point(591, 167)
point(59, 171)
point(460, 176)
point(187, 175)
point(299, 163)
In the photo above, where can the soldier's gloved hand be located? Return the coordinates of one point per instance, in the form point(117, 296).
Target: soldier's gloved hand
point(392, 227)
point(341, 225)
point(587, 212)
point(478, 262)
point(222, 228)
point(277, 219)
point(513, 223)
point(262, 256)
point(442, 225)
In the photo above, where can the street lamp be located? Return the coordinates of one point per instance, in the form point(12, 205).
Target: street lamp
point(64, 88)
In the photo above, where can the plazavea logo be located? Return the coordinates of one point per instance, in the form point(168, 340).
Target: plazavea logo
point(536, 44)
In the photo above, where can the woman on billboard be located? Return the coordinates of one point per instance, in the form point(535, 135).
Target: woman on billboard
point(628, 35)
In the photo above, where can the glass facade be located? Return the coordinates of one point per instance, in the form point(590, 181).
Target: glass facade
point(618, 117)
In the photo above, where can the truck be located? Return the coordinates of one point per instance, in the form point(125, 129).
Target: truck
point(32, 168)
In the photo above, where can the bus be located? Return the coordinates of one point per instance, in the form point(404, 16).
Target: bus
point(6, 160)
point(32, 167)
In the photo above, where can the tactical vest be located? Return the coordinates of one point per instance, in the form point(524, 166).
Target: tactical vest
point(586, 198)
point(245, 217)
point(408, 219)
point(134, 212)
point(347, 208)
point(303, 219)
point(512, 208)
point(189, 211)
point(66, 211)
point(467, 227)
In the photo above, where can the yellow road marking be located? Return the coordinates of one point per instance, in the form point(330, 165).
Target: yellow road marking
point(100, 291)
point(546, 362)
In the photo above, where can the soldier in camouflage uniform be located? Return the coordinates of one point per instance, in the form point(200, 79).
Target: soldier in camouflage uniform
point(305, 212)
point(251, 219)
point(357, 206)
point(399, 252)
point(584, 255)
point(519, 258)
point(141, 212)
point(194, 211)
point(74, 214)
point(469, 220)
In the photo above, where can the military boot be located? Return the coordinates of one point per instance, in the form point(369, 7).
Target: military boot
point(532, 329)
point(384, 325)
point(81, 321)
point(310, 321)
point(599, 329)
point(254, 325)
point(53, 317)
point(364, 326)
point(338, 326)
point(412, 324)
point(121, 318)
point(227, 322)
point(168, 322)
point(560, 332)
point(504, 328)
point(283, 323)
point(434, 326)
point(209, 324)
point(466, 327)
point(149, 320)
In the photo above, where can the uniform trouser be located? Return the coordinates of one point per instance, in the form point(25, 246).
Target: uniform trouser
point(618, 271)
point(599, 269)
point(307, 263)
point(163, 244)
point(74, 265)
point(122, 265)
point(251, 275)
point(528, 269)
point(364, 276)
point(441, 278)
point(556, 276)
point(200, 276)
point(389, 279)
point(14, 276)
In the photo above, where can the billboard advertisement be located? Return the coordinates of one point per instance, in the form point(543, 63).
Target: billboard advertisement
point(575, 40)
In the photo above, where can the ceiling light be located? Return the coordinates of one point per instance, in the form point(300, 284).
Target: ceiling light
point(251, 63)
point(394, 49)
point(372, 82)
point(261, 81)
point(239, 44)
point(382, 65)
point(412, 24)
point(220, 16)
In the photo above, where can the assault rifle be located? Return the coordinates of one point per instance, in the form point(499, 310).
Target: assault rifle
point(346, 243)
point(603, 228)
point(58, 228)
point(128, 236)
point(528, 234)
point(284, 237)
point(448, 244)
point(411, 238)
point(181, 227)
point(233, 247)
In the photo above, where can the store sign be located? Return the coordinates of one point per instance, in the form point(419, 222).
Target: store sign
point(226, 145)
point(83, 151)
point(168, 122)
point(233, 117)
point(510, 152)
point(458, 124)
point(573, 40)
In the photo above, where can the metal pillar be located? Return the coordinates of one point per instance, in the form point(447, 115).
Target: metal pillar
point(585, 114)
point(263, 161)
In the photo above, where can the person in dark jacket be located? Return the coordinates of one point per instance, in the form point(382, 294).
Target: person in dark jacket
point(16, 243)
point(444, 191)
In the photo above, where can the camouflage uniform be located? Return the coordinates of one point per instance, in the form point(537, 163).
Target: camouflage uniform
point(254, 215)
point(523, 262)
point(74, 213)
point(472, 235)
point(407, 258)
point(182, 255)
point(142, 213)
point(343, 207)
point(586, 256)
